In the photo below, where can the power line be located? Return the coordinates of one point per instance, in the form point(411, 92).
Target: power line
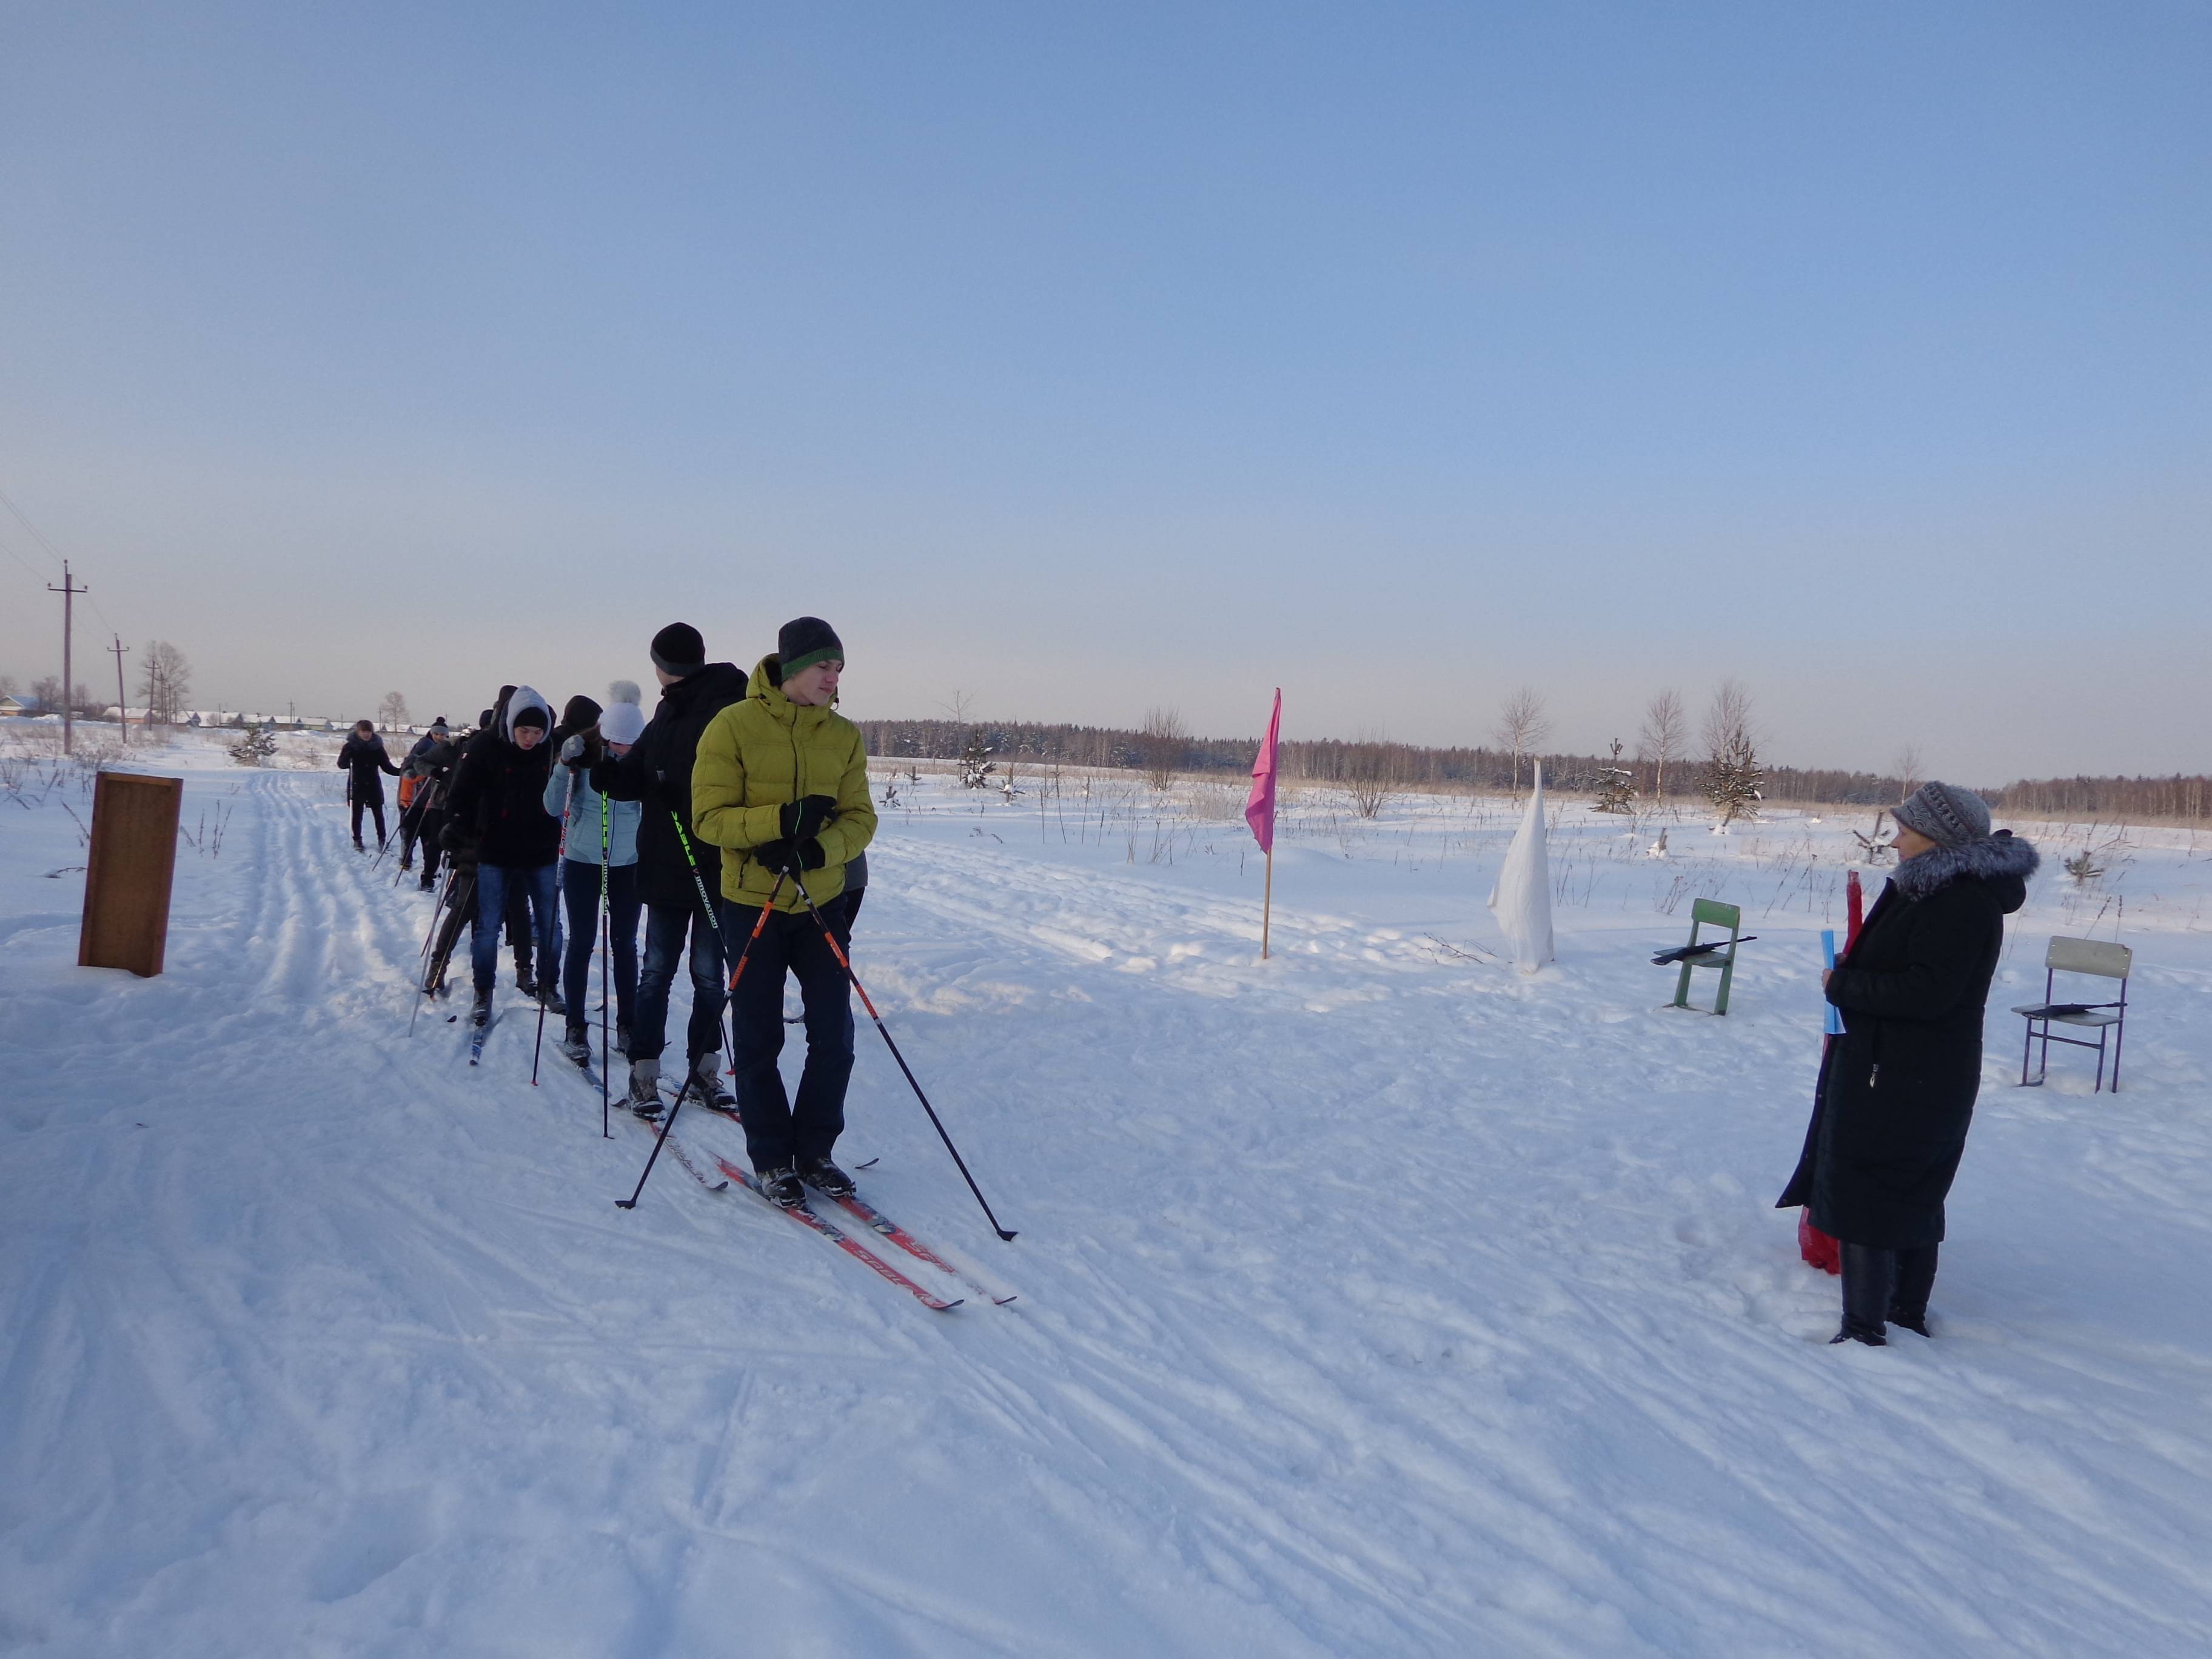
point(38, 537)
point(35, 570)
point(51, 552)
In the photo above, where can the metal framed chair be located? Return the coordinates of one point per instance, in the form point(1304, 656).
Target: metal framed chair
point(1703, 912)
point(2107, 1019)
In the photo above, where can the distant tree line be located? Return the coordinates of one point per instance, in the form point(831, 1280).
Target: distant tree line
point(2187, 799)
point(1345, 762)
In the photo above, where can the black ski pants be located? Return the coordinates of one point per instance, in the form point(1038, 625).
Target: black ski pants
point(666, 927)
point(375, 807)
point(579, 890)
point(779, 1131)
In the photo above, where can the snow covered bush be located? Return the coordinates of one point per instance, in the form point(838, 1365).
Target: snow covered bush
point(257, 748)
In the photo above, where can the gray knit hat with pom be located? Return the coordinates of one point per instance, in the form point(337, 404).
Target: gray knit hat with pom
point(1946, 814)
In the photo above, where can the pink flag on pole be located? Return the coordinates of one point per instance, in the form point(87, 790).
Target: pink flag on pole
point(1260, 807)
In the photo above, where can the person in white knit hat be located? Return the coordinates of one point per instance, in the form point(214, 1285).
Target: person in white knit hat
point(600, 837)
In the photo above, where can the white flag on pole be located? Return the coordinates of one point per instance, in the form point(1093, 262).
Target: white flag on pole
point(1521, 900)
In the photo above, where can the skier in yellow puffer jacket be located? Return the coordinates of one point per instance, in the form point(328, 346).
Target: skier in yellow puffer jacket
point(781, 784)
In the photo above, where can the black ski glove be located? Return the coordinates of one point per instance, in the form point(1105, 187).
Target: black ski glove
point(803, 819)
point(788, 857)
point(778, 858)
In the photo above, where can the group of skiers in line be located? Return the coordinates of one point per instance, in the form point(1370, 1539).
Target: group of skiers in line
point(613, 811)
point(735, 819)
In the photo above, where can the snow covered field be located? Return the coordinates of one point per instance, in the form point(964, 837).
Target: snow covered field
point(1373, 1300)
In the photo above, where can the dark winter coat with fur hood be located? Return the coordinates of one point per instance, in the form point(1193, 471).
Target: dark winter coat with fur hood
point(658, 772)
point(1897, 1089)
point(497, 796)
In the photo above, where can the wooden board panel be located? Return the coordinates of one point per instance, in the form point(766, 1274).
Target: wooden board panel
point(128, 874)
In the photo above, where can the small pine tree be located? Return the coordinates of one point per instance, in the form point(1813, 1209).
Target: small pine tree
point(975, 764)
point(1734, 778)
point(1616, 787)
point(256, 748)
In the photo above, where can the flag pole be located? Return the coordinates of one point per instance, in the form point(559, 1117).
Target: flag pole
point(1268, 904)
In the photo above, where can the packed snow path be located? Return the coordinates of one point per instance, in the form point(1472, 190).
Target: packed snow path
point(1374, 1301)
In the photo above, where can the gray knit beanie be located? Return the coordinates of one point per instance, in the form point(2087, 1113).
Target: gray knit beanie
point(1946, 814)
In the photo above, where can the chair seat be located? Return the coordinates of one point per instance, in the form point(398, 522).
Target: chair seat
point(2089, 1017)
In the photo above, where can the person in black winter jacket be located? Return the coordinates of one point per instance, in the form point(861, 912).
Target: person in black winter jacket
point(497, 803)
point(430, 764)
point(657, 771)
point(1897, 1089)
point(363, 754)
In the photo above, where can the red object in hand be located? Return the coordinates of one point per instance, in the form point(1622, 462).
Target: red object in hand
point(1855, 907)
point(1816, 1247)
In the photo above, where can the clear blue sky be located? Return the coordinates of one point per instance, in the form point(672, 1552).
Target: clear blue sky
point(1091, 358)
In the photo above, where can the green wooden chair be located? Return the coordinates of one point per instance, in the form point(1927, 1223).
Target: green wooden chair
point(1703, 912)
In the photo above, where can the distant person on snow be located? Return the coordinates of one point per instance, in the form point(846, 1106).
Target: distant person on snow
point(429, 764)
point(421, 778)
point(518, 908)
point(362, 753)
point(570, 797)
point(1897, 1089)
point(498, 800)
point(657, 774)
point(782, 787)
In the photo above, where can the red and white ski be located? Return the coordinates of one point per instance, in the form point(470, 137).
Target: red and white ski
point(806, 1218)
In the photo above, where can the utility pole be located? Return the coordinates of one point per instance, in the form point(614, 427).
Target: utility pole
point(121, 703)
point(69, 589)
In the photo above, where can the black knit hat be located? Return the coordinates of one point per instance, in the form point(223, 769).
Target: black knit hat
point(802, 641)
point(678, 650)
point(579, 714)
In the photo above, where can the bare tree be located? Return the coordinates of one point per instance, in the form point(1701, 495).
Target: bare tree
point(1521, 725)
point(391, 713)
point(1665, 736)
point(8, 686)
point(164, 679)
point(1161, 745)
point(46, 692)
point(1732, 775)
point(1908, 765)
point(1371, 772)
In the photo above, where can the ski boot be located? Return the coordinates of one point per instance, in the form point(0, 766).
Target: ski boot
point(781, 1187)
point(704, 1084)
point(551, 997)
point(825, 1177)
point(480, 1011)
point(576, 1045)
point(622, 1040)
point(644, 1096)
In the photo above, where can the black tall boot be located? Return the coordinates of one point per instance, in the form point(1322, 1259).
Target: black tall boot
point(1868, 1274)
point(1908, 1299)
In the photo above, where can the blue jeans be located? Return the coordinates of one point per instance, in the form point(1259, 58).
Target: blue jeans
point(579, 881)
point(493, 883)
point(666, 926)
point(780, 1132)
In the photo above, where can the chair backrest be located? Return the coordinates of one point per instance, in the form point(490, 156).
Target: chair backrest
point(2090, 955)
point(1729, 916)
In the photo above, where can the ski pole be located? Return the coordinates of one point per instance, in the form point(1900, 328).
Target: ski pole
point(607, 947)
point(419, 807)
point(544, 933)
point(844, 963)
point(677, 1105)
point(422, 957)
point(699, 884)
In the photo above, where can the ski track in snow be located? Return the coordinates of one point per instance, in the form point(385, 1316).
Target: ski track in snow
point(1369, 1306)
